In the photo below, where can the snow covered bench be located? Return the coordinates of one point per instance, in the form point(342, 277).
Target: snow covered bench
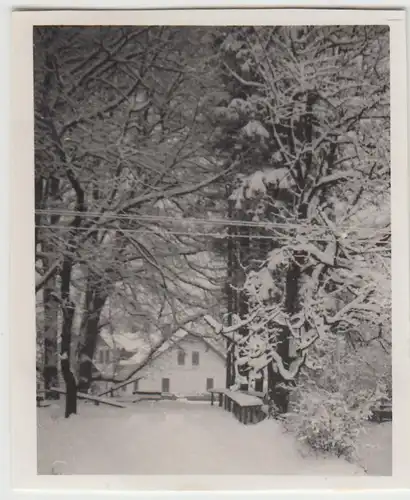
point(246, 408)
point(41, 399)
point(258, 394)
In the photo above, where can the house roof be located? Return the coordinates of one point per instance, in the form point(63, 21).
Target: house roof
point(130, 342)
point(148, 354)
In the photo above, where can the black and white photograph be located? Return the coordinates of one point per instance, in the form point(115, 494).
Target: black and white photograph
point(212, 238)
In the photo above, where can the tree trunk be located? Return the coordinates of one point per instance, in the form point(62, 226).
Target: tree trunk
point(230, 375)
point(69, 379)
point(277, 390)
point(50, 303)
point(96, 300)
point(242, 266)
point(259, 384)
point(71, 389)
point(66, 334)
point(50, 368)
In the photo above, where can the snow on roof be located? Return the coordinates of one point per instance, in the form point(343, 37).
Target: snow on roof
point(145, 349)
point(132, 364)
point(131, 342)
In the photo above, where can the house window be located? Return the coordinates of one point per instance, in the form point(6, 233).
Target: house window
point(136, 385)
point(165, 385)
point(101, 356)
point(195, 358)
point(107, 356)
point(209, 383)
point(181, 357)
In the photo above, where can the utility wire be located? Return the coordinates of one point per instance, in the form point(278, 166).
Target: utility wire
point(275, 237)
point(147, 231)
point(224, 222)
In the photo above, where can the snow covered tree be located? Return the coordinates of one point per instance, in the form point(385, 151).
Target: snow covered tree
point(120, 141)
point(309, 119)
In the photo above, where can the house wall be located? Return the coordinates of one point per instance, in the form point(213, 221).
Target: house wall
point(105, 360)
point(186, 379)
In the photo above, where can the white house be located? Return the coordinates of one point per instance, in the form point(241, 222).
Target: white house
point(111, 350)
point(184, 365)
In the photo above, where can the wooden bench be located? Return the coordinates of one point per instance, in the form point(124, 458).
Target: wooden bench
point(381, 413)
point(41, 399)
point(258, 394)
point(247, 408)
point(147, 397)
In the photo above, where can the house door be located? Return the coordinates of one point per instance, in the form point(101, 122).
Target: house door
point(165, 385)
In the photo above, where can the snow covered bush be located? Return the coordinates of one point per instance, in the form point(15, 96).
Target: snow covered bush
point(323, 421)
point(334, 400)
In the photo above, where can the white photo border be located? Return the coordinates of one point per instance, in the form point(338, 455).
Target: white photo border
point(22, 298)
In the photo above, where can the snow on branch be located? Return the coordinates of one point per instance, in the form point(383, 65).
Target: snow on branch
point(242, 80)
point(308, 342)
point(42, 280)
point(326, 257)
point(218, 327)
point(356, 304)
point(229, 332)
point(173, 192)
point(288, 374)
point(332, 178)
point(294, 368)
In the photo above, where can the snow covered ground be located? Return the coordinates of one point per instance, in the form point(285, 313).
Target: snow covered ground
point(171, 437)
point(375, 448)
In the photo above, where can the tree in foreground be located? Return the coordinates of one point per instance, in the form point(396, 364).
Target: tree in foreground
point(309, 118)
point(120, 144)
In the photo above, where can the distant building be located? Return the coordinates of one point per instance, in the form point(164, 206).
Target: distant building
point(111, 350)
point(183, 365)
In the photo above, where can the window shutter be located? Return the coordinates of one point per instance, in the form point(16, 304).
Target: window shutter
point(195, 358)
point(165, 385)
point(181, 357)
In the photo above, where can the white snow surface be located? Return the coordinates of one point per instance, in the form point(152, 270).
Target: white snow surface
point(126, 340)
point(147, 437)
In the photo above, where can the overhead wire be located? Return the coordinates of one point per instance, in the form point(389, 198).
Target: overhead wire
point(193, 220)
point(192, 234)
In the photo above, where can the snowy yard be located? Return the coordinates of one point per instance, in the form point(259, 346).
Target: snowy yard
point(182, 438)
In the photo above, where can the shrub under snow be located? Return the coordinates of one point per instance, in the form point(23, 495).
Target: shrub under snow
point(323, 421)
point(329, 410)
